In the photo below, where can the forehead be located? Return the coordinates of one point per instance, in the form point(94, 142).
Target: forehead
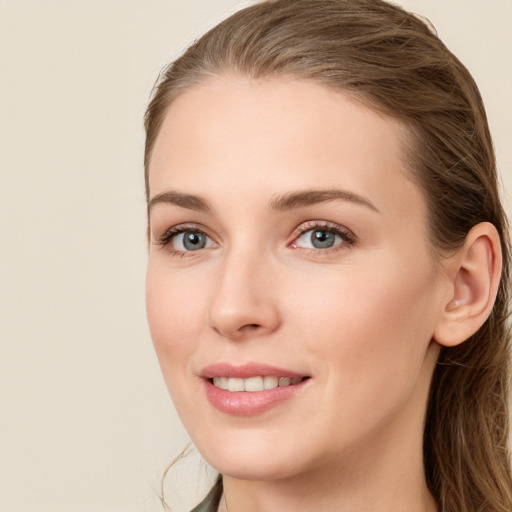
point(276, 135)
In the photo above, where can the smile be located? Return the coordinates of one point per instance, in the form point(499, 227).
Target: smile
point(252, 388)
point(254, 384)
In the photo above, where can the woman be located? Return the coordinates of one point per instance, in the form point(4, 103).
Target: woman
point(327, 282)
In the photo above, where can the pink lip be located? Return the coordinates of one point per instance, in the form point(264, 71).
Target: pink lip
point(245, 371)
point(245, 403)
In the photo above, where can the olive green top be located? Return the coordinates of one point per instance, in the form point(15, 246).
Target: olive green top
point(204, 506)
point(211, 502)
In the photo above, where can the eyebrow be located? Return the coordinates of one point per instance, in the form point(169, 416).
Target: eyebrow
point(281, 203)
point(303, 198)
point(189, 201)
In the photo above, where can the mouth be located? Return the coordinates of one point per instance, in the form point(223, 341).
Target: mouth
point(250, 389)
point(255, 384)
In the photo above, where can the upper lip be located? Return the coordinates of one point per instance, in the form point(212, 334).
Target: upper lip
point(246, 370)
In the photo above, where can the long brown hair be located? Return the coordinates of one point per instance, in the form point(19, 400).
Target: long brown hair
point(394, 62)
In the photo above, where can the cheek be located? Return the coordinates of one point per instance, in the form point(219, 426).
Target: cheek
point(370, 330)
point(369, 339)
point(173, 309)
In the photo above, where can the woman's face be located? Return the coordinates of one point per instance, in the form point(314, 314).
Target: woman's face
point(289, 247)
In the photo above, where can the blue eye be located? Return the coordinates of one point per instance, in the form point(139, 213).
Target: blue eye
point(318, 239)
point(190, 241)
point(323, 237)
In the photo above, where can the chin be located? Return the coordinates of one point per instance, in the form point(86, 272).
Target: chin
point(252, 462)
point(255, 470)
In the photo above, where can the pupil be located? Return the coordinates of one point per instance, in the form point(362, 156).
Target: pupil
point(194, 241)
point(322, 239)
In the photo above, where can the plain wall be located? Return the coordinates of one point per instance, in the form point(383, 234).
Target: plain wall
point(85, 420)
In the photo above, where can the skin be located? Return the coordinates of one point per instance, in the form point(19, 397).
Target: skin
point(358, 318)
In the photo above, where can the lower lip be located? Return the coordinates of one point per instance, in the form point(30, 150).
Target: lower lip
point(249, 403)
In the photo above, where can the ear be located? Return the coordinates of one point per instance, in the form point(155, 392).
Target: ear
point(474, 273)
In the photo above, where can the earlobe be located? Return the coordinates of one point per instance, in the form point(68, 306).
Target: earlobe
point(475, 272)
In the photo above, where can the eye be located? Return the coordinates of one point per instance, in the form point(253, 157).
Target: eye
point(181, 240)
point(323, 237)
point(190, 241)
point(318, 239)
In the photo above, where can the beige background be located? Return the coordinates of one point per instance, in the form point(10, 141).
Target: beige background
point(85, 421)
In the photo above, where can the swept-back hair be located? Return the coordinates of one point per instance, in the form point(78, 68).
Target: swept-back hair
point(394, 62)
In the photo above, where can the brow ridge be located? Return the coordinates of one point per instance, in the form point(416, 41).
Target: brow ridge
point(189, 201)
point(280, 203)
point(304, 198)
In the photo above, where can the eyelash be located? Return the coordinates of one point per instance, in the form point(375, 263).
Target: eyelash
point(166, 238)
point(347, 237)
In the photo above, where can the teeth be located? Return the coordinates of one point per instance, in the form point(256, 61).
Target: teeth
point(284, 381)
point(253, 384)
point(221, 382)
point(270, 382)
point(235, 384)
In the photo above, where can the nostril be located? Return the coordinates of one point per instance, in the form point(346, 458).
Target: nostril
point(250, 327)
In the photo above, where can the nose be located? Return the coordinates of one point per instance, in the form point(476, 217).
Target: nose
point(244, 300)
